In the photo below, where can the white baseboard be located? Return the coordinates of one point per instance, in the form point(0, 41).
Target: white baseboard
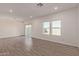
point(10, 36)
point(56, 42)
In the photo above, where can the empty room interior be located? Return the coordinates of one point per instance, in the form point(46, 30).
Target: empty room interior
point(39, 29)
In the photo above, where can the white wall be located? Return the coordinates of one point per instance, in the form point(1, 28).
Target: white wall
point(78, 26)
point(9, 27)
point(69, 27)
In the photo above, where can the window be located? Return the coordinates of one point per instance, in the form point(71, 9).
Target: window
point(56, 28)
point(53, 28)
point(46, 28)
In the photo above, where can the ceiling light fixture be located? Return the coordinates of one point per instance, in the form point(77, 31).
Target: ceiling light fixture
point(10, 10)
point(40, 4)
point(31, 16)
point(56, 8)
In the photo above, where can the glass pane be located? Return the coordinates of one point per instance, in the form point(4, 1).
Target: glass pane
point(56, 23)
point(56, 28)
point(28, 30)
point(46, 24)
point(56, 32)
point(46, 28)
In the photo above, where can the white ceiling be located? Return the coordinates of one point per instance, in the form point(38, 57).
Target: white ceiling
point(25, 10)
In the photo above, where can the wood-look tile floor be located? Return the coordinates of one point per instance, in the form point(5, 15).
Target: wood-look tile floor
point(19, 46)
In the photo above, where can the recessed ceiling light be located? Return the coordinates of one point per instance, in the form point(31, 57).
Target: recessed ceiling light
point(56, 8)
point(10, 10)
point(31, 16)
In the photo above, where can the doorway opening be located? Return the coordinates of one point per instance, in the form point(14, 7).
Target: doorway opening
point(28, 30)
